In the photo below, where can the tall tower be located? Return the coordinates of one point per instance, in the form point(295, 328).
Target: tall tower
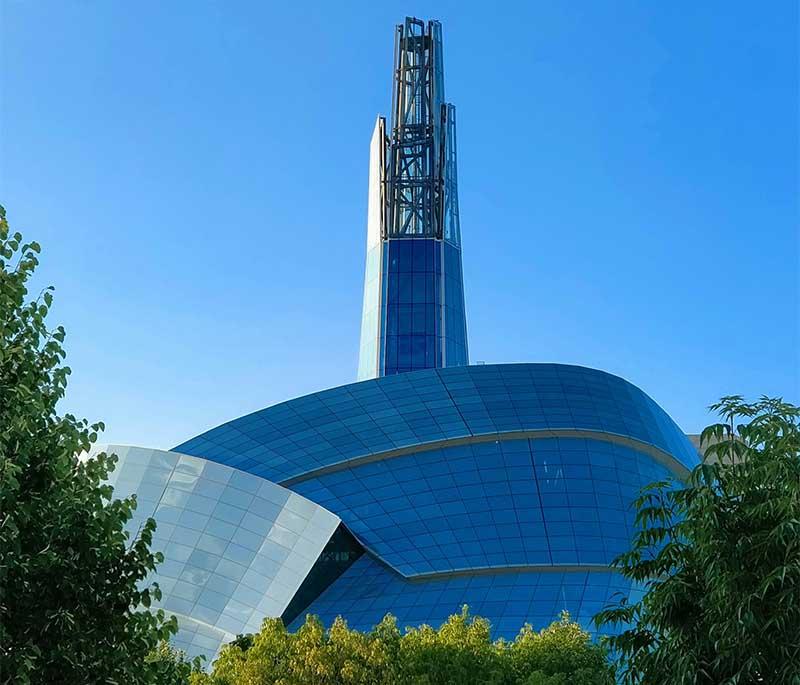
point(413, 316)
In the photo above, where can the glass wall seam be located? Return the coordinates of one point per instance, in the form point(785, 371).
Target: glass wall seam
point(663, 457)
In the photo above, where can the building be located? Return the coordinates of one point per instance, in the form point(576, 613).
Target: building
point(428, 484)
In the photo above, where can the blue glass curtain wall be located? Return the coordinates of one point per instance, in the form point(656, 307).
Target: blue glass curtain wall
point(368, 590)
point(424, 321)
point(517, 526)
point(494, 504)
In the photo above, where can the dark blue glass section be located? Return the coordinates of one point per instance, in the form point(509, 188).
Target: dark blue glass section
point(339, 554)
point(425, 324)
point(292, 438)
point(413, 326)
point(494, 504)
point(367, 591)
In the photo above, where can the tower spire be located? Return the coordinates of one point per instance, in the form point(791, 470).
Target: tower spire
point(413, 316)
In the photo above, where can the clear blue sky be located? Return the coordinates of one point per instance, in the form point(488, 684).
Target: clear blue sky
point(197, 175)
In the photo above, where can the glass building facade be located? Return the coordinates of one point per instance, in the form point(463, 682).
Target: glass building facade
point(236, 547)
point(509, 600)
point(414, 316)
point(430, 483)
point(505, 487)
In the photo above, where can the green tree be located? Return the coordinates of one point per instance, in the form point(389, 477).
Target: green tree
point(719, 558)
point(311, 656)
point(170, 666)
point(72, 608)
point(562, 653)
point(460, 652)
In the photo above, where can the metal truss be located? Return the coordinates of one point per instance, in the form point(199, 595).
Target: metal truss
point(420, 159)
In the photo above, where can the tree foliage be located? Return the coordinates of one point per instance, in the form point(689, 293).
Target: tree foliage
point(460, 651)
point(72, 607)
point(169, 666)
point(719, 558)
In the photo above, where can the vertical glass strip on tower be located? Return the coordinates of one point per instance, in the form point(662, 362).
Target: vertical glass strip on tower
point(413, 316)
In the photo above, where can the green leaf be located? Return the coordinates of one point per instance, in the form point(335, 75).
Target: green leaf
point(72, 611)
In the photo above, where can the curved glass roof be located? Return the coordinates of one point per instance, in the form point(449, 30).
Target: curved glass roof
point(297, 437)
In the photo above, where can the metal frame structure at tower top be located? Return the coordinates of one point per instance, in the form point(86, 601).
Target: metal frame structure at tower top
point(413, 315)
point(419, 154)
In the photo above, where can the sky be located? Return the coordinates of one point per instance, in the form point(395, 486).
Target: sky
point(196, 173)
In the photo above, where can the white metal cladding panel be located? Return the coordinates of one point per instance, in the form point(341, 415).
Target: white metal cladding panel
point(236, 547)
